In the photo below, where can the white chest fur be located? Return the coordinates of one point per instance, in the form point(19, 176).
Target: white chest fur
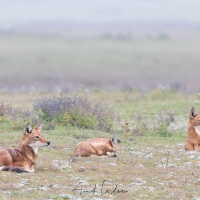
point(197, 130)
point(35, 149)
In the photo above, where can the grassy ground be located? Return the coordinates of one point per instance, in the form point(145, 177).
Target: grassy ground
point(148, 166)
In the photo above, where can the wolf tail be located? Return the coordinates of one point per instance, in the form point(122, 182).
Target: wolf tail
point(14, 169)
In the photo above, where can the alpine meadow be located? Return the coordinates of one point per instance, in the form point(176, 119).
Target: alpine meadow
point(150, 122)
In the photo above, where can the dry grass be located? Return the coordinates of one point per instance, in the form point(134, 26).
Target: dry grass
point(150, 167)
point(159, 172)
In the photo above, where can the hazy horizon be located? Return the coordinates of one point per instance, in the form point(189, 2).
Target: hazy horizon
point(16, 13)
point(139, 44)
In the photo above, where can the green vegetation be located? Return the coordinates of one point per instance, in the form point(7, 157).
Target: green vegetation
point(151, 162)
point(151, 123)
point(77, 111)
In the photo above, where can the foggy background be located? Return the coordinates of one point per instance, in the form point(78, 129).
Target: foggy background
point(17, 13)
point(108, 44)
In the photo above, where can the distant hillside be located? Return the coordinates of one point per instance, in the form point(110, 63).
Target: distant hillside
point(128, 28)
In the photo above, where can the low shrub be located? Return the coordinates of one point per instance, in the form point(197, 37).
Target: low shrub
point(163, 122)
point(77, 111)
point(15, 118)
point(139, 124)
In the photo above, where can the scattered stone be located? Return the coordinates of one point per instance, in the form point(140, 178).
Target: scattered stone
point(61, 164)
point(139, 166)
point(72, 160)
point(43, 188)
point(138, 182)
point(149, 156)
point(113, 164)
point(21, 183)
point(137, 153)
point(66, 196)
point(81, 169)
point(187, 164)
point(7, 192)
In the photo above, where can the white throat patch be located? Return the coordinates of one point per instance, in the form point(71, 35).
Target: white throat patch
point(35, 146)
point(197, 130)
point(35, 149)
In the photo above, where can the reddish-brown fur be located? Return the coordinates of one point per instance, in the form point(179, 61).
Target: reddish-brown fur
point(95, 146)
point(193, 138)
point(22, 159)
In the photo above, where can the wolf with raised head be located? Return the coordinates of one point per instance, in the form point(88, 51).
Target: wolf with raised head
point(193, 138)
point(23, 158)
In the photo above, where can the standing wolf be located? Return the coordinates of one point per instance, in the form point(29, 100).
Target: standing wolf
point(22, 159)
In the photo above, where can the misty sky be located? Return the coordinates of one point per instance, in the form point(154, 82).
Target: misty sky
point(15, 12)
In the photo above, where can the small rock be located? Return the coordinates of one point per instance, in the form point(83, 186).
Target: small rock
point(81, 169)
point(149, 156)
point(66, 196)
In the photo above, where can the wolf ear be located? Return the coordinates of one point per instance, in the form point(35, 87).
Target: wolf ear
point(39, 126)
point(115, 140)
point(119, 141)
point(193, 113)
point(28, 128)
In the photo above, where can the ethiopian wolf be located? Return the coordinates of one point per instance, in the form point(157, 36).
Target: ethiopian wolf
point(22, 159)
point(193, 138)
point(96, 146)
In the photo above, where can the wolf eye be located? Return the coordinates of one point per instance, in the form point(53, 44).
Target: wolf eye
point(36, 137)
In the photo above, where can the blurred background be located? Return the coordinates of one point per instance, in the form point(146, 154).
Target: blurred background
point(63, 45)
